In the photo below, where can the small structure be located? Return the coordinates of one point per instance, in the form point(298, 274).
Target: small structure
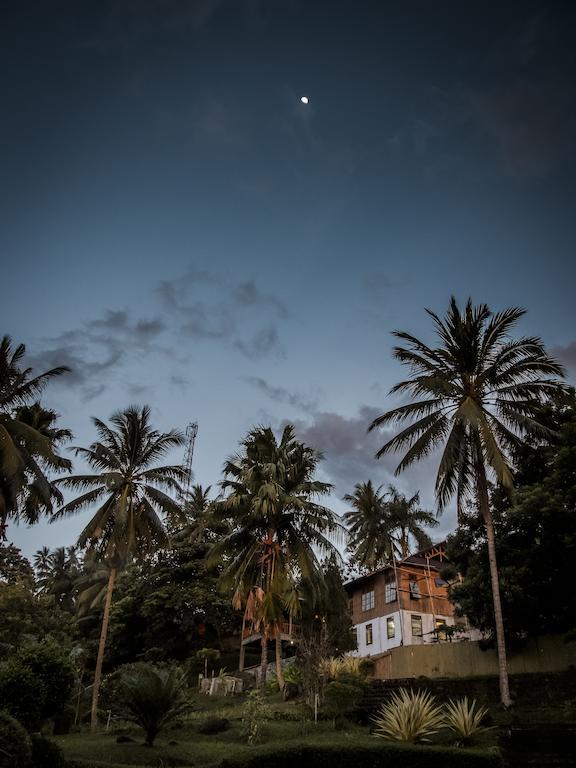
point(404, 603)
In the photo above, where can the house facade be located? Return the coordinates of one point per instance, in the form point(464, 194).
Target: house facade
point(405, 603)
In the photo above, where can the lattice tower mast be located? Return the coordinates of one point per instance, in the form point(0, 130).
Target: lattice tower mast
point(191, 432)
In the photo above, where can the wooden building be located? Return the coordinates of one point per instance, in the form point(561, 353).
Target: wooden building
point(405, 603)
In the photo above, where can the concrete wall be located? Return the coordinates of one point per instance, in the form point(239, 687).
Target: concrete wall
point(466, 659)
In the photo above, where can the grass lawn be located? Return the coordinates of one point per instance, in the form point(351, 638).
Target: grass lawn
point(184, 746)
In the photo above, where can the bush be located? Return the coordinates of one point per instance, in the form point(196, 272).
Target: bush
point(46, 753)
point(466, 720)
point(256, 711)
point(21, 694)
point(342, 696)
point(151, 697)
point(53, 668)
point(355, 753)
point(15, 746)
point(214, 725)
point(35, 684)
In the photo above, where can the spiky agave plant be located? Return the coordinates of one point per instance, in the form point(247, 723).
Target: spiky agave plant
point(465, 718)
point(409, 716)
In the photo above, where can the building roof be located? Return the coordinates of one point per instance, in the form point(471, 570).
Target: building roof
point(426, 558)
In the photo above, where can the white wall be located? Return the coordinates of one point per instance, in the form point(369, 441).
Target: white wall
point(381, 643)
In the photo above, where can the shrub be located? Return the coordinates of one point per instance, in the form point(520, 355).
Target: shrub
point(151, 697)
point(53, 668)
point(214, 725)
point(35, 684)
point(341, 699)
point(255, 713)
point(465, 719)
point(21, 694)
point(46, 753)
point(15, 746)
point(408, 716)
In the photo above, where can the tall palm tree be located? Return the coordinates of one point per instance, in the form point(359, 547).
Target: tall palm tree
point(198, 525)
point(476, 394)
point(368, 522)
point(128, 489)
point(408, 521)
point(28, 439)
point(277, 527)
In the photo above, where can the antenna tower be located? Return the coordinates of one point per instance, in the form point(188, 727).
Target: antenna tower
point(191, 432)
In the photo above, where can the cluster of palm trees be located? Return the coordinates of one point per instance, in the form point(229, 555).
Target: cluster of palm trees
point(472, 397)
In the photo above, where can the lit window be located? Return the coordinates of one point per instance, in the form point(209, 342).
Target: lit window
point(440, 629)
point(390, 592)
point(369, 637)
point(390, 628)
point(416, 626)
point(368, 601)
point(414, 590)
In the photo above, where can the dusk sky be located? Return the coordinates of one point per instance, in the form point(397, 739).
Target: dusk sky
point(181, 230)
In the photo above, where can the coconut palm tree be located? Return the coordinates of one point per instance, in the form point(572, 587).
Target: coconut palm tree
point(475, 395)
point(408, 521)
point(57, 574)
point(129, 492)
point(277, 528)
point(368, 522)
point(28, 439)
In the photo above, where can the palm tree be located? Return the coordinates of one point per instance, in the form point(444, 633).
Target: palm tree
point(382, 525)
point(129, 491)
point(28, 439)
point(369, 526)
point(407, 521)
point(277, 529)
point(58, 573)
point(476, 394)
point(199, 525)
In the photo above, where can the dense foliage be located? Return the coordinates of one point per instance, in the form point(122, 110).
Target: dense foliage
point(15, 745)
point(536, 541)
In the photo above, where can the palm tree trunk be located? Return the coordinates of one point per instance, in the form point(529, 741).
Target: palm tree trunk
point(101, 647)
point(482, 489)
point(263, 659)
point(279, 670)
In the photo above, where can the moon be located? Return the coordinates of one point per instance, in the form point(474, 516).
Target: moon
point(304, 99)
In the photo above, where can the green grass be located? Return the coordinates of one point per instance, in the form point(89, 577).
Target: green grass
point(184, 747)
point(191, 748)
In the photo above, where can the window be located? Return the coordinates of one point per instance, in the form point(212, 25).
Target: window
point(414, 590)
point(390, 592)
point(354, 633)
point(440, 582)
point(369, 636)
point(440, 629)
point(368, 601)
point(390, 628)
point(416, 626)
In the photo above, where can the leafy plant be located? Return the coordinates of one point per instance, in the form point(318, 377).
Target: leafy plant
point(465, 719)
point(408, 716)
point(341, 698)
point(340, 666)
point(256, 711)
point(151, 698)
point(15, 747)
point(46, 753)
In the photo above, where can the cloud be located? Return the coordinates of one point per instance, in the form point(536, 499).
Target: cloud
point(567, 356)
point(349, 458)
point(282, 395)
point(248, 295)
point(210, 307)
point(261, 344)
point(96, 349)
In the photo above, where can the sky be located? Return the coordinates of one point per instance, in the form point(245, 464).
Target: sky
point(179, 229)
